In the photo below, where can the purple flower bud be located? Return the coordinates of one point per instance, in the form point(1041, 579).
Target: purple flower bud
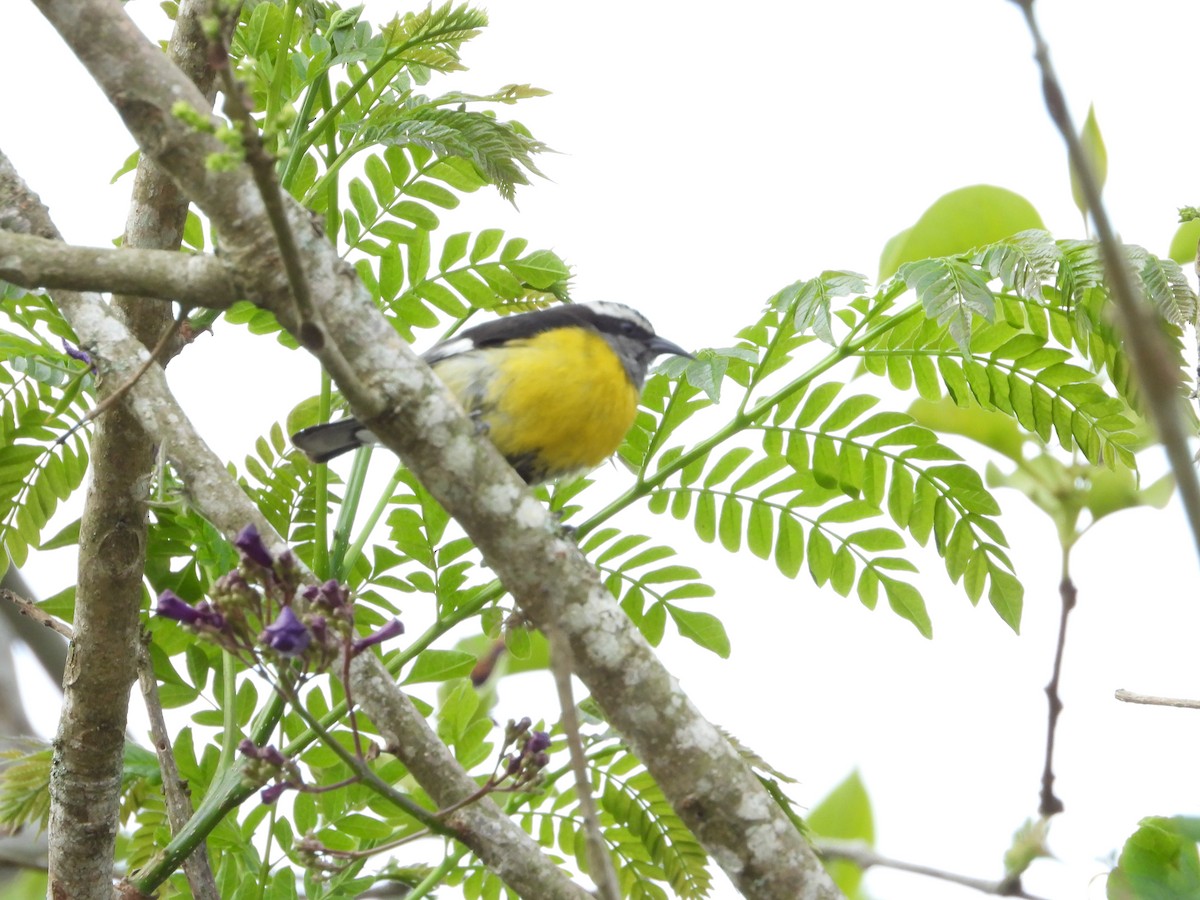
point(272, 792)
point(268, 754)
point(171, 606)
point(330, 596)
point(389, 630)
point(287, 635)
point(233, 587)
point(252, 547)
point(209, 616)
point(513, 766)
point(538, 741)
point(81, 355)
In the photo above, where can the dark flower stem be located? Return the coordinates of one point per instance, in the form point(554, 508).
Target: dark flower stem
point(364, 772)
point(1050, 803)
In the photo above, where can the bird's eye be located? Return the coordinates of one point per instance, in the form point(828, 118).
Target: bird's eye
point(629, 329)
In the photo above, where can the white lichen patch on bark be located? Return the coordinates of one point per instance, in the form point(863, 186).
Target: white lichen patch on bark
point(499, 499)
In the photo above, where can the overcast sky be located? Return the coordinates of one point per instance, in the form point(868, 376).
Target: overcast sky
point(708, 155)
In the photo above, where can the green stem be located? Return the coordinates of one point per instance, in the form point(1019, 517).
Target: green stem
point(275, 92)
point(321, 491)
point(743, 418)
point(264, 870)
point(347, 512)
point(440, 871)
point(364, 772)
point(305, 138)
point(223, 796)
point(381, 505)
point(229, 712)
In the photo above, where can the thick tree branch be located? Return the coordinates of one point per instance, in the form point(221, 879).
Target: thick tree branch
point(194, 280)
point(389, 388)
point(89, 746)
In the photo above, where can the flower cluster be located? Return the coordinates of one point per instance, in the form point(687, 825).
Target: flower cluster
point(263, 611)
point(265, 763)
point(525, 767)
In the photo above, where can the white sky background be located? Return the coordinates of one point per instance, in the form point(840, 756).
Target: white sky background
point(711, 154)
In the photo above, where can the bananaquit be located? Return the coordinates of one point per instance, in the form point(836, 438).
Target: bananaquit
point(555, 390)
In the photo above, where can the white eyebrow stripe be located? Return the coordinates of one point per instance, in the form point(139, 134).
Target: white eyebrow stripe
point(621, 311)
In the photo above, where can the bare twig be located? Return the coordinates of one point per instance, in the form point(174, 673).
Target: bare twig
point(1147, 348)
point(1151, 700)
point(156, 356)
point(1050, 804)
point(262, 167)
point(864, 857)
point(175, 792)
point(31, 609)
point(608, 887)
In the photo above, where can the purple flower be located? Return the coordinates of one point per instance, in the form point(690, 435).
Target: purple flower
point(81, 355)
point(268, 754)
point(272, 792)
point(252, 547)
point(171, 606)
point(330, 596)
point(287, 635)
point(389, 630)
point(319, 628)
point(537, 742)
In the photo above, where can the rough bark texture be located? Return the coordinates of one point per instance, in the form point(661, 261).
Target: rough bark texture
point(85, 774)
point(101, 662)
point(704, 778)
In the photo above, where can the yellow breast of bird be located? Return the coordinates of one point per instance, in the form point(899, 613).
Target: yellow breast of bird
point(556, 403)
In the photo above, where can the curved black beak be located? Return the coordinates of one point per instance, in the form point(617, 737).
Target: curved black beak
point(662, 346)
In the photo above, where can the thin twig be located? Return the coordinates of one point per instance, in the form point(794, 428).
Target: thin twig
point(1151, 700)
point(262, 167)
point(864, 857)
point(1050, 804)
point(362, 769)
point(115, 397)
point(31, 609)
point(1143, 337)
point(179, 806)
point(604, 876)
